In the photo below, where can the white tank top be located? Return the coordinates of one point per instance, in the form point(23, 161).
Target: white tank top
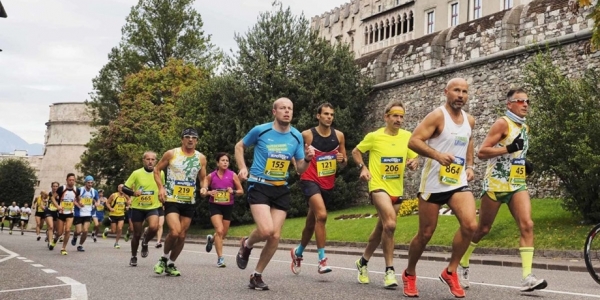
point(454, 139)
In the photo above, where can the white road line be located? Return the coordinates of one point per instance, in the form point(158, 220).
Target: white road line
point(21, 258)
point(49, 271)
point(11, 254)
point(28, 260)
point(37, 265)
point(422, 277)
point(78, 289)
point(33, 288)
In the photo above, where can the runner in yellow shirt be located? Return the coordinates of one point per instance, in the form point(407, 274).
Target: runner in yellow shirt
point(116, 206)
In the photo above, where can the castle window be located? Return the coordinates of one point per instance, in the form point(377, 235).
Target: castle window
point(405, 24)
point(430, 22)
point(387, 29)
point(393, 25)
point(411, 22)
point(508, 4)
point(454, 14)
point(378, 8)
point(476, 9)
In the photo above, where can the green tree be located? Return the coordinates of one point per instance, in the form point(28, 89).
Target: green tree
point(155, 31)
point(594, 15)
point(566, 132)
point(17, 181)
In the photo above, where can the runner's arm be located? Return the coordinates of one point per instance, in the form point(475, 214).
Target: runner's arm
point(497, 132)
point(239, 155)
point(202, 175)
point(423, 132)
point(239, 190)
point(342, 149)
point(162, 164)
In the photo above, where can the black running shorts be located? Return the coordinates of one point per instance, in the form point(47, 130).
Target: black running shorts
point(277, 197)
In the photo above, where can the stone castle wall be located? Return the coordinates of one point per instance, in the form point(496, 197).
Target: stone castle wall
point(490, 53)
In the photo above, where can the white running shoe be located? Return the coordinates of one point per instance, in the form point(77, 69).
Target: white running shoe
point(531, 283)
point(463, 276)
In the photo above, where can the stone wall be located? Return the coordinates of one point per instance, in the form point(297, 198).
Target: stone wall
point(490, 54)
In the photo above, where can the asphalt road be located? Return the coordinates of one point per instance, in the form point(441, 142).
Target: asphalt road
point(29, 271)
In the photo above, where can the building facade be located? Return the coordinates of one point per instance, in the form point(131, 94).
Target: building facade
point(371, 25)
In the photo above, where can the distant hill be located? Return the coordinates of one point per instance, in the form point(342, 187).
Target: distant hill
point(9, 142)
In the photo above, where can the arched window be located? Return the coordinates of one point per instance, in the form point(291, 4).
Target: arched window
point(376, 33)
point(411, 22)
point(371, 34)
point(381, 31)
point(387, 29)
point(404, 23)
point(393, 25)
point(366, 36)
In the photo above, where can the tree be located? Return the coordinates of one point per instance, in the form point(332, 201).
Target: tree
point(17, 181)
point(155, 31)
point(566, 133)
point(594, 15)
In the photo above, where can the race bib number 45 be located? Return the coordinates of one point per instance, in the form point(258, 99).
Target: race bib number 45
point(391, 167)
point(450, 175)
point(184, 191)
point(277, 165)
point(326, 165)
point(517, 171)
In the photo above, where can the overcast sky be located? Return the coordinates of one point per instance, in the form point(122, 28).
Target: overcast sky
point(51, 49)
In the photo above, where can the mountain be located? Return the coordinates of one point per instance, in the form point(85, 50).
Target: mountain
point(9, 142)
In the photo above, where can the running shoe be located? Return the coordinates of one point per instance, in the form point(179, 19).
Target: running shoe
point(133, 261)
point(531, 283)
point(243, 255)
point(51, 246)
point(10, 232)
point(323, 267)
point(116, 246)
point(410, 285)
point(61, 238)
point(389, 280)
point(363, 273)
point(209, 242)
point(296, 264)
point(257, 283)
point(453, 284)
point(463, 276)
point(221, 262)
point(158, 245)
point(160, 267)
point(105, 232)
point(38, 238)
point(126, 238)
point(171, 270)
point(80, 248)
point(63, 252)
point(22, 233)
point(74, 241)
point(144, 250)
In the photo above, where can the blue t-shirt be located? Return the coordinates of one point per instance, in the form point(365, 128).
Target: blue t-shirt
point(273, 151)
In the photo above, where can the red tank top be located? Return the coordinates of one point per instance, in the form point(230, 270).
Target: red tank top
point(323, 166)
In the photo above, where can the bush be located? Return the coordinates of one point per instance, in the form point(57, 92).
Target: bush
point(408, 207)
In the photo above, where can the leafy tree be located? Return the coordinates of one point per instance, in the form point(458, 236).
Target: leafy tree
point(566, 132)
point(155, 31)
point(595, 15)
point(17, 181)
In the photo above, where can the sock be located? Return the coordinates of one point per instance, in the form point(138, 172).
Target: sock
point(247, 244)
point(256, 273)
point(464, 261)
point(363, 261)
point(170, 262)
point(299, 250)
point(448, 272)
point(526, 259)
point(406, 274)
point(165, 257)
point(390, 268)
point(321, 252)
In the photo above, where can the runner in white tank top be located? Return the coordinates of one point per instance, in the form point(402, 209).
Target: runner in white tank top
point(444, 139)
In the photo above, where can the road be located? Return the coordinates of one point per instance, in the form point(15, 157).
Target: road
point(29, 271)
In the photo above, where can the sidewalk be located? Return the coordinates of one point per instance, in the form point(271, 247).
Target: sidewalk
point(543, 259)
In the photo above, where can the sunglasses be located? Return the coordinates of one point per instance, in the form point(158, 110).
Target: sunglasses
point(520, 101)
point(193, 137)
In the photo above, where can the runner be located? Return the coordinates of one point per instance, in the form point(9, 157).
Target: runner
point(275, 144)
point(13, 214)
point(65, 199)
point(129, 223)
point(116, 204)
point(161, 223)
point(317, 184)
point(25, 213)
point(444, 138)
point(388, 157)
point(185, 168)
point(98, 214)
point(144, 204)
point(83, 211)
point(223, 185)
point(39, 206)
point(3, 214)
point(505, 148)
point(51, 212)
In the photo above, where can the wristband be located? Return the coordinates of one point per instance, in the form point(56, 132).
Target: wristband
point(471, 167)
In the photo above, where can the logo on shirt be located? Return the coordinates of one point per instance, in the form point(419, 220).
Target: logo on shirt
point(461, 141)
point(277, 148)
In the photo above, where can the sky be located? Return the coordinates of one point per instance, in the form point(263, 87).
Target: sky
point(52, 49)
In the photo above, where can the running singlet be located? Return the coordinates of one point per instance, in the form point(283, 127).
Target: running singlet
point(87, 199)
point(2, 211)
point(506, 173)
point(142, 180)
point(51, 206)
point(100, 206)
point(273, 153)
point(40, 204)
point(13, 211)
point(25, 212)
point(220, 185)
point(66, 198)
point(182, 173)
point(323, 166)
point(118, 204)
point(387, 160)
point(453, 139)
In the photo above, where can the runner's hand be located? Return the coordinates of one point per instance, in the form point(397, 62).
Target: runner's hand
point(412, 164)
point(339, 157)
point(230, 190)
point(445, 159)
point(470, 174)
point(162, 194)
point(309, 152)
point(243, 174)
point(365, 174)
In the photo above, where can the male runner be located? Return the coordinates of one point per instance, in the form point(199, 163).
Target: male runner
point(317, 183)
point(65, 199)
point(185, 168)
point(25, 213)
point(143, 205)
point(39, 206)
point(98, 213)
point(83, 211)
point(275, 144)
point(116, 204)
point(444, 138)
point(3, 214)
point(505, 148)
point(161, 222)
point(13, 214)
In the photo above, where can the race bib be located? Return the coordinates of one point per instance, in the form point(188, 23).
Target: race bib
point(120, 208)
point(67, 206)
point(145, 198)
point(184, 191)
point(87, 201)
point(391, 167)
point(517, 171)
point(13, 213)
point(51, 206)
point(450, 175)
point(222, 196)
point(326, 165)
point(277, 165)
point(100, 208)
point(24, 215)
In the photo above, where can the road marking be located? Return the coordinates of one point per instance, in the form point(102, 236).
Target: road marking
point(21, 258)
point(78, 289)
point(37, 265)
point(28, 260)
point(11, 254)
point(49, 271)
point(33, 288)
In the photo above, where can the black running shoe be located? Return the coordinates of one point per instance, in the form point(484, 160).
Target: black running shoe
point(144, 250)
point(133, 261)
point(243, 255)
point(39, 238)
point(257, 283)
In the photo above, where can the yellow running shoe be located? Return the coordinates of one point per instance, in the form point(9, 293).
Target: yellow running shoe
point(363, 273)
point(63, 252)
point(389, 281)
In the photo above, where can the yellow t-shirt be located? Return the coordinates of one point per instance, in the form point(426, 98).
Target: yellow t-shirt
point(387, 160)
point(118, 205)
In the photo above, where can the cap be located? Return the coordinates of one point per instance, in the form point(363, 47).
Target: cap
point(89, 178)
point(189, 131)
